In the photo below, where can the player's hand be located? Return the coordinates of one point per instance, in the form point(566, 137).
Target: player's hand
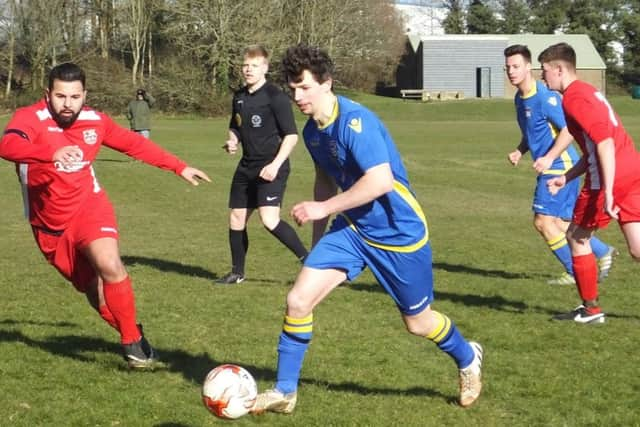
point(555, 184)
point(231, 146)
point(193, 175)
point(610, 207)
point(514, 157)
point(269, 172)
point(308, 211)
point(542, 164)
point(68, 155)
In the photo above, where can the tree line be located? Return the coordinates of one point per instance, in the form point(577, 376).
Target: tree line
point(186, 52)
point(612, 25)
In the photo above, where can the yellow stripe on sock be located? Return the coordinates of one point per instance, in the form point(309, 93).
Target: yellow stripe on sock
point(557, 242)
point(293, 321)
point(442, 328)
point(300, 326)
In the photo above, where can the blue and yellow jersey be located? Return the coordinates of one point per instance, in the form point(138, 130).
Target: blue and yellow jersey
point(540, 117)
point(354, 141)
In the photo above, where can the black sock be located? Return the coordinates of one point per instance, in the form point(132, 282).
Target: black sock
point(239, 243)
point(287, 235)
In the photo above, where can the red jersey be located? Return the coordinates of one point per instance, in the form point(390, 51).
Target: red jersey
point(53, 193)
point(591, 120)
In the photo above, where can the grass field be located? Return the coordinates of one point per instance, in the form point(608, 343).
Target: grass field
point(60, 365)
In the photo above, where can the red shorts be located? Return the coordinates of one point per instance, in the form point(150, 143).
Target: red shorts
point(63, 250)
point(589, 211)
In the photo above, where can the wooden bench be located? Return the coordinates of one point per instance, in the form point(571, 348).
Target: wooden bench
point(422, 94)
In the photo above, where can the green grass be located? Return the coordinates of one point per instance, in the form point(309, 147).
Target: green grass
point(60, 364)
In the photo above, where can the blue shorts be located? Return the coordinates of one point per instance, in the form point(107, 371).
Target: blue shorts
point(561, 205)
point(406, 277)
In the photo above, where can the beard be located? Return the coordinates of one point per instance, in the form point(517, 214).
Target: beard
point(66, 120)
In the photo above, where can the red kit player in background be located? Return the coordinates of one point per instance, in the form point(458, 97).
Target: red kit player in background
point(611, 188)
point(54, 143)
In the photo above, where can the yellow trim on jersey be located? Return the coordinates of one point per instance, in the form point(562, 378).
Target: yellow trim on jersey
point(532, 92)
point(567, 164)
point(442, 328)
point(332, 118)
point(406, 195)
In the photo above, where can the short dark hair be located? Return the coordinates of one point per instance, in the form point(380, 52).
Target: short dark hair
point(559, 52)
point(256, 50)
point(66, 72)
point(140, 92)
point(518, 49)
point(304, 57)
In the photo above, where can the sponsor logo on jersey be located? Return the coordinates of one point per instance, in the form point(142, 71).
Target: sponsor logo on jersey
point(356, 124)
point(90, 136)
point(256, 121)
point(553, 101)
point(70, 168)
point(527, 112)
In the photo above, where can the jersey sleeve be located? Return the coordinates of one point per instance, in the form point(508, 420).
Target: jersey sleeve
point(552, 107)
point(364, 138)
point(284, 114)
point(233, 124)
point(594, 116)
point(18, 141)
point(135, 145)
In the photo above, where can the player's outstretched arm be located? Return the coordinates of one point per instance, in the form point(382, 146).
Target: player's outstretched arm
point(193, 175)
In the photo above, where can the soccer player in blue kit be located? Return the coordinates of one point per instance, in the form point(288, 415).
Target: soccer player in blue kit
point(542, 123)
point(379, 224)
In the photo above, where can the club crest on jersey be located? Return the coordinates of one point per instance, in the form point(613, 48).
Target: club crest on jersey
point(256, 121)
point(90, 136)
point(356, 124)
point(527, 112)
point(553, 101)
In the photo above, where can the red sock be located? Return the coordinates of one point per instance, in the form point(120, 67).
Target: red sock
point(585, 271)
point(120, 301)
point(108, 317)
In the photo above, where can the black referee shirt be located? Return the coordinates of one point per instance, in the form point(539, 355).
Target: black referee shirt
point(260, 120)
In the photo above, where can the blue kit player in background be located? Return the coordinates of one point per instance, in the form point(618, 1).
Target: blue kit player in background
point(542, 123)
point(379, 224)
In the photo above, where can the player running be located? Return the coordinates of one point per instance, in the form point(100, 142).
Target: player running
point(379, 224)
point(54, 143)
point(612, 185)
point(542, 123)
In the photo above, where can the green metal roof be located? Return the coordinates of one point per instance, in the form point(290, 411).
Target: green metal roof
point(586, 53)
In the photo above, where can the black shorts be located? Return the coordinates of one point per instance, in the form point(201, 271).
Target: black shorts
point(250, 191)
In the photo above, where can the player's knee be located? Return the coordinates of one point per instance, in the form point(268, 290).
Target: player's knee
point(111, 269)
point(297, 305)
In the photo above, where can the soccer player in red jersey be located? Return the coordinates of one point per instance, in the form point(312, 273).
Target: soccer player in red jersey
point(54, 143)
point(612, 165)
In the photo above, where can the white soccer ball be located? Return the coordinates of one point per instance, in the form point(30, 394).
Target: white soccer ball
point(229, 391)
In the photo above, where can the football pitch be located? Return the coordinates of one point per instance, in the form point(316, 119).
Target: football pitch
point(60, 364)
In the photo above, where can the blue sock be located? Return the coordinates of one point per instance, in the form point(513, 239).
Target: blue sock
point(449, 339)
point(561, 250)
point(598, 247)
point(294, 340)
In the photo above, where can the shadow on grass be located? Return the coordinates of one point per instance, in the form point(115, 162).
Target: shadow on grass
point(170, 266)
point(457, 268)
point(192, 367)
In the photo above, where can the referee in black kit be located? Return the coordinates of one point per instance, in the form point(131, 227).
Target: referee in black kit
point(262, 121)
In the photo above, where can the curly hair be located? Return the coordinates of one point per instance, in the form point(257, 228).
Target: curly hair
point(304, 57)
